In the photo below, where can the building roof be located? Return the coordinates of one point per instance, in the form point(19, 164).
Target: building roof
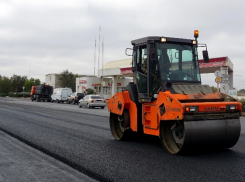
point(118, 64)
point(52, 74)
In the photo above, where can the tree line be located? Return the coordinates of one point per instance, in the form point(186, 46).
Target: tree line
point(16, 83)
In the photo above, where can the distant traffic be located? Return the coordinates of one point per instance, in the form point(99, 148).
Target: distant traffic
point(45, 92)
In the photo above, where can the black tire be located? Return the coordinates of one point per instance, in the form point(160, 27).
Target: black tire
point(167, 138)
point(120, 125)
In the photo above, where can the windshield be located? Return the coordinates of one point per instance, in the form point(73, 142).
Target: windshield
point(177, 63)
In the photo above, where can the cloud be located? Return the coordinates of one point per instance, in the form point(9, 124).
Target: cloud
point(56, 35)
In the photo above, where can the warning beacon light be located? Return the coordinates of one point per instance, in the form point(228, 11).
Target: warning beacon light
point(196, 34)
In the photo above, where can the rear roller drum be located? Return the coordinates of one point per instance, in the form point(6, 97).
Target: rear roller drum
point(119, 124)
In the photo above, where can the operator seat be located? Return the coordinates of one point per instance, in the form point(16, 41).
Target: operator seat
point(165, 63)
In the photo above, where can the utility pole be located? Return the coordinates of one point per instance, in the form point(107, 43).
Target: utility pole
point(99, 56)
point(94, 62)
point(102, 88)
point(94, 55)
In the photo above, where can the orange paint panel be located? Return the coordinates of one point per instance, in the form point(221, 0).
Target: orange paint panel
point(149, 116)
point(174, 110)
point(133, 115)
point(113, 103)
point(197, 96)
point(127, 103)
point(151, 131)
point(213, 106)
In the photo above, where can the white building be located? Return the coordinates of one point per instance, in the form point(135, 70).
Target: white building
point(111, 77)
point(95, 83)
point(53, 80)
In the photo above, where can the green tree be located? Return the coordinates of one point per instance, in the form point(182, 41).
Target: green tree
point(68, 79)
point(18, 82)
point(242, 91)
point(5, 85)
point(89, 91)
point(31, 82)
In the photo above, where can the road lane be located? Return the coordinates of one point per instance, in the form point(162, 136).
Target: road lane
point(20, 162)
point(84, 142)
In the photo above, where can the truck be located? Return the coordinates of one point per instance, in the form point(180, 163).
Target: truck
point(41, 92)
point(168, 100)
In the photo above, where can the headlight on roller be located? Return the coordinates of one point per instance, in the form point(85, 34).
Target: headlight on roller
point(191, 109)
point(163, 39)
point(232, 108)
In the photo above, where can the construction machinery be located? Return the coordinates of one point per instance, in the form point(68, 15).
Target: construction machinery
point(168, 100)
point(41, 92)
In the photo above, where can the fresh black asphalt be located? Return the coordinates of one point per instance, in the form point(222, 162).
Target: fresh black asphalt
point(83, 141)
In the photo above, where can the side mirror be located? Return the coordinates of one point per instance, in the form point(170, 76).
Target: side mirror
point(129, 52)
point(205, 56)
point(134, 63)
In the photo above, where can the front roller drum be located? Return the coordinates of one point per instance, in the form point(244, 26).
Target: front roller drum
point(180, 136)
point(120, 125)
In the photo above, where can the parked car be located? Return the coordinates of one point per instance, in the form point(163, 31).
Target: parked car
point(92, 101)
point(75, 97)
point(61, 94)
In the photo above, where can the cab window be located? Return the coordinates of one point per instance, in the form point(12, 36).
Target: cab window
point(141, 75)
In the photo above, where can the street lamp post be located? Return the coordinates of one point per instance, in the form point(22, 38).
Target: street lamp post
point(23, 90)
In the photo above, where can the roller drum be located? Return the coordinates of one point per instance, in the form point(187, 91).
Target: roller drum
point(179, 136)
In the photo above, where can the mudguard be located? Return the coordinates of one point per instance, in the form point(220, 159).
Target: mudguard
point(120, 102)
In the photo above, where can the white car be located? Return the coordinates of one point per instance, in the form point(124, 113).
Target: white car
point(92, 101)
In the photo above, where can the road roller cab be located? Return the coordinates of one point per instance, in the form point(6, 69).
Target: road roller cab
point(168, 100)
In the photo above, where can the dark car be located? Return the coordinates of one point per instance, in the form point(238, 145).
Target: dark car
point(75, 97)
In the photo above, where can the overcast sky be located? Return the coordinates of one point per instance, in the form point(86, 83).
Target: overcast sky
point(38, 37)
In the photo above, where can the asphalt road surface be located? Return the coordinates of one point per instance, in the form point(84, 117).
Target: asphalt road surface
point(20, 162)
point(80, 138)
